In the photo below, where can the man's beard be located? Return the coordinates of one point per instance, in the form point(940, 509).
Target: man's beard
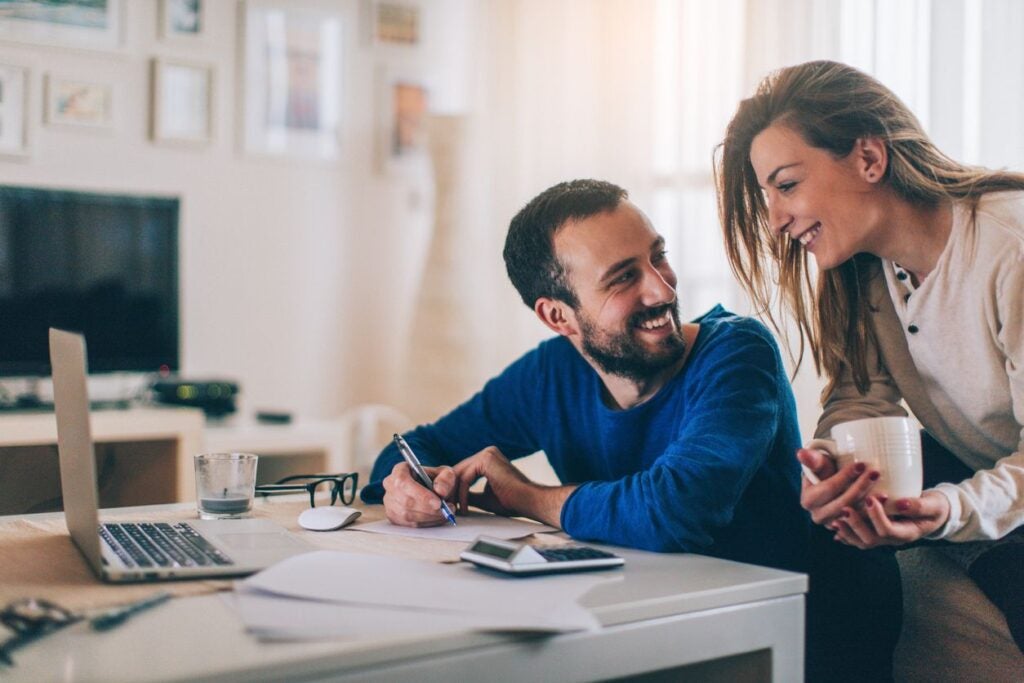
point(621, 354)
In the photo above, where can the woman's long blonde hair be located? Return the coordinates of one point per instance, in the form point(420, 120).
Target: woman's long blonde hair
point(831, 106)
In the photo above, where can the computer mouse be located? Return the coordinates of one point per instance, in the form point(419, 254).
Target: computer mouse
point(327, 518)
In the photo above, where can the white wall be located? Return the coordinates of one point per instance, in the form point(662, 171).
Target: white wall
point(288, 268)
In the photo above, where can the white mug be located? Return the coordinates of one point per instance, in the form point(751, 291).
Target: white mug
point(891, 445)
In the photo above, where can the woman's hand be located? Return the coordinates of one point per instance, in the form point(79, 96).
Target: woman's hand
point(835, 490)
point(871, 527)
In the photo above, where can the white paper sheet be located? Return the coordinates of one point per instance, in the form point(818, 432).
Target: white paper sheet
point(270, 617)
point(328, 592)
point(469, 527)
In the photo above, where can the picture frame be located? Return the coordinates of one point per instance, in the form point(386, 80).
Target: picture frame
point(66, 23)
point(182, 19)
point(292, 81)
point(403, 107)
point(14, 116)
point(79, 103)
point(182, 102)
point(394, 22)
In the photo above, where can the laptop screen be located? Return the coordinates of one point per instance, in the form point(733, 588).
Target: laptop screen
point(74, 442)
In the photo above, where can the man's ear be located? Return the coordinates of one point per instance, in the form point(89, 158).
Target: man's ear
point(557, 315)
point(871, 157)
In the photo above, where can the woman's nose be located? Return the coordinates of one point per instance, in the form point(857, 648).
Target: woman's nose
point(778, 218)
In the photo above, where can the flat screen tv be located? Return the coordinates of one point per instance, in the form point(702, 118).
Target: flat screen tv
point(102, 264)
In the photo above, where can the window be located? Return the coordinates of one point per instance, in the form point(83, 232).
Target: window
point(698, 79)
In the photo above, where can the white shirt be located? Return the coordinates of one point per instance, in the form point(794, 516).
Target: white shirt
point(964, 327)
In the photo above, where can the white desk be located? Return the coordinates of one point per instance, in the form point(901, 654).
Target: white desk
point(666, 612)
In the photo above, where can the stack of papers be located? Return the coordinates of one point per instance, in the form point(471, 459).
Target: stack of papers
point(328, 594)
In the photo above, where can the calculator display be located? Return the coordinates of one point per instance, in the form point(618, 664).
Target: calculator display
point(494, 550)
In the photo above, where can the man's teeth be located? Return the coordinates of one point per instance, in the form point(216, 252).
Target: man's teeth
point(657, 322)
point(809, 235)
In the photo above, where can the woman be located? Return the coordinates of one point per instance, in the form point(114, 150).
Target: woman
point(919, 296)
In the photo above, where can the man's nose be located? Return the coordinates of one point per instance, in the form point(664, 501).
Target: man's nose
point(657, 288)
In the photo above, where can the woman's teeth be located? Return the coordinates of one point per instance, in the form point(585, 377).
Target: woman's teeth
point(810, 234)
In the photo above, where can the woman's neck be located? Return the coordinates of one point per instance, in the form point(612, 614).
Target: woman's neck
point(914, 236)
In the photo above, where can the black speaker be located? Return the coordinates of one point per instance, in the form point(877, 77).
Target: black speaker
point(216, 398)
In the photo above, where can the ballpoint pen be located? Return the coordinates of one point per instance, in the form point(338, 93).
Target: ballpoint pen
point(116, 616)
point(417, 470)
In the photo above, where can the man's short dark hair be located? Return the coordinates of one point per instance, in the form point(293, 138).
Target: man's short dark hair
point(529, 253)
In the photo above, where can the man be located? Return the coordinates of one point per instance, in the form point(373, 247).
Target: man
point(667, 436)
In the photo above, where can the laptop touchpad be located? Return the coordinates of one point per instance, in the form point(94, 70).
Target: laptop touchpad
point(260, 541)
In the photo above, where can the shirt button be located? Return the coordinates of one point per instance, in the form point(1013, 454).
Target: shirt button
point(912, 329)
point(901, 275)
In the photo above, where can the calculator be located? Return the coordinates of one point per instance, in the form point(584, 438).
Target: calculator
point(520, 558)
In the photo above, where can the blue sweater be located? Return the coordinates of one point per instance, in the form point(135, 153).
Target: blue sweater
point(706, 465)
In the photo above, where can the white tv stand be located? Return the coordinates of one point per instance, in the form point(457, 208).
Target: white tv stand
point(144, 454)
point(140, 454)
point(303, 446)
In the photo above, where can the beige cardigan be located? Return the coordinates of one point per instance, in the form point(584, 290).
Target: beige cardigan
point(974, 273)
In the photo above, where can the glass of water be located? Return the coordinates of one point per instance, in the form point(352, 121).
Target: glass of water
point(225, 485)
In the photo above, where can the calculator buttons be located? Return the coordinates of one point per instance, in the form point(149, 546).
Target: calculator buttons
point(572, 553)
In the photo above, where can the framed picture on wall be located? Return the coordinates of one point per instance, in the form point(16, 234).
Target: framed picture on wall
point(94, 24)
point(182, 102)
point(13, 110)
point(182, 19)
point(78, 103)
point(394, 22)
point(292, 82)
point(402, 120)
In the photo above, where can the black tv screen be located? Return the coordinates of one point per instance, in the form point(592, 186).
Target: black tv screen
point(101, 264)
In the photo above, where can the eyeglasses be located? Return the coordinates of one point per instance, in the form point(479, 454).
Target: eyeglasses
point(342, 486)
point(31, 618)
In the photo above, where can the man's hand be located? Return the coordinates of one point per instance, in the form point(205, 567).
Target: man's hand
point(871, 527)
point(508, 491)
point(836, 490)
point(506, 487)
point(409, 503)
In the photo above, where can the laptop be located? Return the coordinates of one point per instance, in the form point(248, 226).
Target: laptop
point(143, 551)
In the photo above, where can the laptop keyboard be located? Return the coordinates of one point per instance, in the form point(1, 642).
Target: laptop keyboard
point(161, 545)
